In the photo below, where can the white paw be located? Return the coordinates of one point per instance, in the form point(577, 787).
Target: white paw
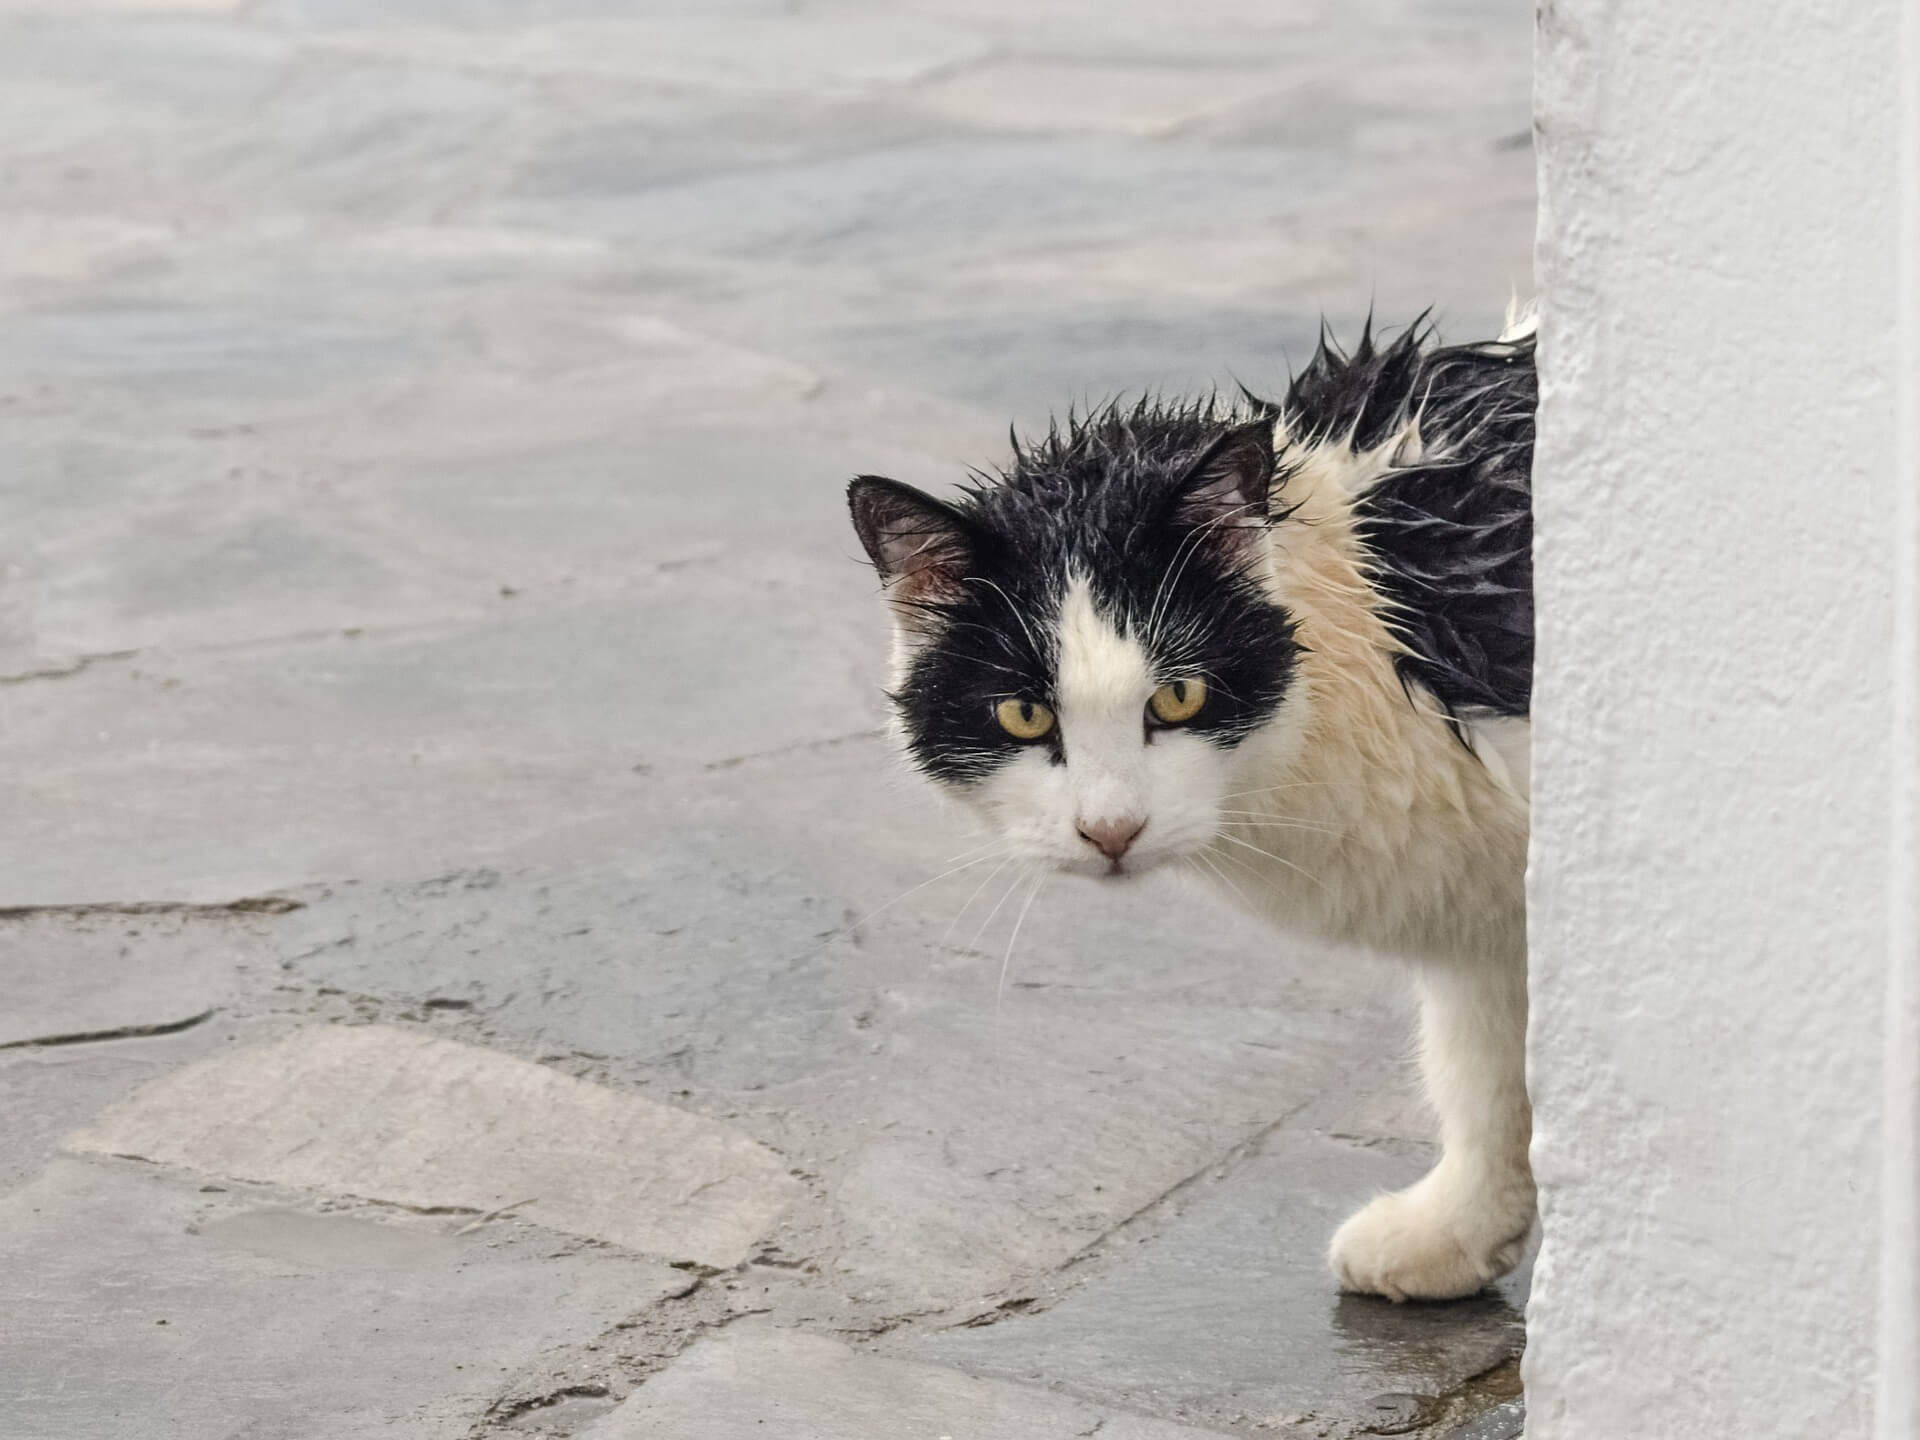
point(1421, 1244)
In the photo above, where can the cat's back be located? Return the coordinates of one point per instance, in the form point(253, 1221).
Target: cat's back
point(1438, 445)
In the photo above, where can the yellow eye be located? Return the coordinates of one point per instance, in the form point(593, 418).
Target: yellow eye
point(1024, 719)
point(1179, 702)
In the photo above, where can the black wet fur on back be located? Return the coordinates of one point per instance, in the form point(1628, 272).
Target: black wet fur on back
point(1452, 526)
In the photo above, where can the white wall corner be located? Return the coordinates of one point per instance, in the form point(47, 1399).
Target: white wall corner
point(1722, 886)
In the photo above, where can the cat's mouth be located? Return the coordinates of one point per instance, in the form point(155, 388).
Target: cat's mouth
point(1131, 863)
point(1103, 869)
point(1119, 868)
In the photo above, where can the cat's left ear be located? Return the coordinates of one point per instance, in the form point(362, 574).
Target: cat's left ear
point(922, 548)
point(1225, 488)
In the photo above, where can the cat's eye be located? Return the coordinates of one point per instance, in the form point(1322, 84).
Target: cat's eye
point(1178, 702)
point(1024, 719)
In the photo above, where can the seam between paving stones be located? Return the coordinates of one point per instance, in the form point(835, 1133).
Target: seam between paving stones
point(118, 1032)
point(699, 1308)
point(72, 667)
point(799, 748)
point(269, 904)
point(626, 582)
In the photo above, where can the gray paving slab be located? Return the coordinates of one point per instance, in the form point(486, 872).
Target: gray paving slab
point(702, 955)
point(754, 1381)
point(453, 741)
point(402, 1117)
point(141, 1304)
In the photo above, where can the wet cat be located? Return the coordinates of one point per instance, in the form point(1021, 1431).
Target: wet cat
point(1294, 641)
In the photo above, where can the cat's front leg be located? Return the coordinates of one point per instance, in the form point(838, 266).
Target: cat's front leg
point(1467, 1222)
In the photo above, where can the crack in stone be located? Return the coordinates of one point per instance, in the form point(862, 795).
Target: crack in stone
point(587, 1390)
point(246, 905)
point(800, 748)
point(118, 1032)
point(882, 1325)
point(79, 664)
point(659, 1334)
point(1218, 1168)
point(1018, 1305)
point(1038, 1294)
point(75, 666)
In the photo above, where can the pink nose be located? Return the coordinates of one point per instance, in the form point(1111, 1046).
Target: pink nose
point(1111, 837)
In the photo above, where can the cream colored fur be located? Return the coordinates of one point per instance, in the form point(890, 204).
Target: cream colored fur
point(1416, 847)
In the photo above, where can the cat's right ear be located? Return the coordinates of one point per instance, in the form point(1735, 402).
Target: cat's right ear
point(921, 547)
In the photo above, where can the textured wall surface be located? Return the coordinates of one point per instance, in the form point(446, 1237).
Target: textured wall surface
point(1899, 1390)
point(1719, 250)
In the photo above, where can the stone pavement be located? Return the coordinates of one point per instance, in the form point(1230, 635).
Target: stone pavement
point(471, 967)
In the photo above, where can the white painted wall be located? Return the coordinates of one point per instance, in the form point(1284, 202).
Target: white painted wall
point(1716, 893)
point(1898, 1397)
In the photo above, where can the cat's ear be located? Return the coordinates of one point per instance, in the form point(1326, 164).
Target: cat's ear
point(922, 548)
point(1225, 488)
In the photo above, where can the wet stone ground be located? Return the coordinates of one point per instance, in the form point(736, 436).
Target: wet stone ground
point(464, 973)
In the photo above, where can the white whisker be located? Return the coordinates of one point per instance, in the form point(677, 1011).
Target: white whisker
point(1244, 866)
point(1193, 539)
point(974, 850)
point(1012, 885)
point(1292, 785)
point(1007, 959)
point(843, 931)
point(1263, 817)
point(1254, 826)
point(1227, 881)
point(856, 923)
point(1279, 859)
point(977, 891)
point(1039, 650)
point(1188, 548)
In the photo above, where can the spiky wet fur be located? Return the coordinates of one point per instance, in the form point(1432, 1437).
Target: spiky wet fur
point(1378, 609)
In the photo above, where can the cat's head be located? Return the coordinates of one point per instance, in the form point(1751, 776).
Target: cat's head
point(1086, 648)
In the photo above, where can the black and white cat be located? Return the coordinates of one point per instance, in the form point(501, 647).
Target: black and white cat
point(1292, 642)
